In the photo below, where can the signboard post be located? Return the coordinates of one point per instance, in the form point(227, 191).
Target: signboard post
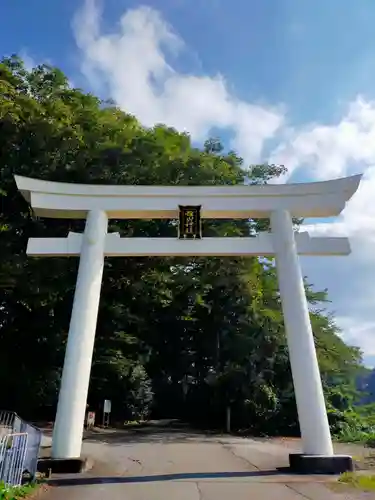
point(90, 419)
point(107, 407)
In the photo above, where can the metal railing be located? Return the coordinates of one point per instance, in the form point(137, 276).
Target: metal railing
point(15, 450)
point(7, 419)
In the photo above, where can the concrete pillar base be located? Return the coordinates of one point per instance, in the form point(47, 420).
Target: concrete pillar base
point(50, 466)
point(320, 464)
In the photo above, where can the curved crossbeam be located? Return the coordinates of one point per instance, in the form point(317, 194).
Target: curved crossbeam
point(63, 200)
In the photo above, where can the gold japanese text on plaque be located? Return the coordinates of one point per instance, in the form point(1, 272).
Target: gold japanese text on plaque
point(190, 222)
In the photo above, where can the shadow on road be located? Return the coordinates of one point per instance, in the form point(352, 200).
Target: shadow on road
point(148, 435)
point(84, 481)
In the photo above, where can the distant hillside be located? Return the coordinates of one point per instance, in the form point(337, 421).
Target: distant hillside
point(366, 384)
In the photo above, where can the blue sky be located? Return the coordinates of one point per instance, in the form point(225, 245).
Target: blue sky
point(313, 55)
point(288, 81)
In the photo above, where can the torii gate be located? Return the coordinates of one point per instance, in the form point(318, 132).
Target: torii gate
point(98, 203)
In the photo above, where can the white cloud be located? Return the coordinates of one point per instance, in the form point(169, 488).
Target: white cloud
point(29, 61)
point(136, 66)
point(358, 219)
point(364, 331)
point(132, 63)
point(331, 150)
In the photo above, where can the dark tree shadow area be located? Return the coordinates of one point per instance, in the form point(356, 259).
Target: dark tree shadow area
point(150, 434)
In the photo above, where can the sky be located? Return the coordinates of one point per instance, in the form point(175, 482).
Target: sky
point(279, 81)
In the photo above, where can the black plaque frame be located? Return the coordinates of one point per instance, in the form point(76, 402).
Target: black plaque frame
point(190, 224)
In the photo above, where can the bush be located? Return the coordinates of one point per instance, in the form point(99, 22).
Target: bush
point(351, 426)
point(16, 492)
point(370, 440)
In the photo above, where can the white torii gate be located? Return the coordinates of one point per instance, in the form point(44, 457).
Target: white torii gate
point(98, 203)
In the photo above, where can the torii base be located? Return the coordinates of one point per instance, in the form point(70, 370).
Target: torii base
point(49, 466)
point(320, 464)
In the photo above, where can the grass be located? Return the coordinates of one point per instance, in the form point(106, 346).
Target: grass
point(16, 492)
point(358, 481)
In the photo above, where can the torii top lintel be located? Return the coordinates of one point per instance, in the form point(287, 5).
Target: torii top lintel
point(74, 201)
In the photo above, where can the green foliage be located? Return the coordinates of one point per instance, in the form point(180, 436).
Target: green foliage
point(349, 422)
point(16, 492)
point(140, 398)
point(176, 337)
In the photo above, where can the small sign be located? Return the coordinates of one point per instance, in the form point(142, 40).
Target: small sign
point(190, 222)
point(90, 419)
point(107, 406)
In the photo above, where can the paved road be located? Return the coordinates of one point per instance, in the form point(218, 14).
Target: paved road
point(162, 464)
